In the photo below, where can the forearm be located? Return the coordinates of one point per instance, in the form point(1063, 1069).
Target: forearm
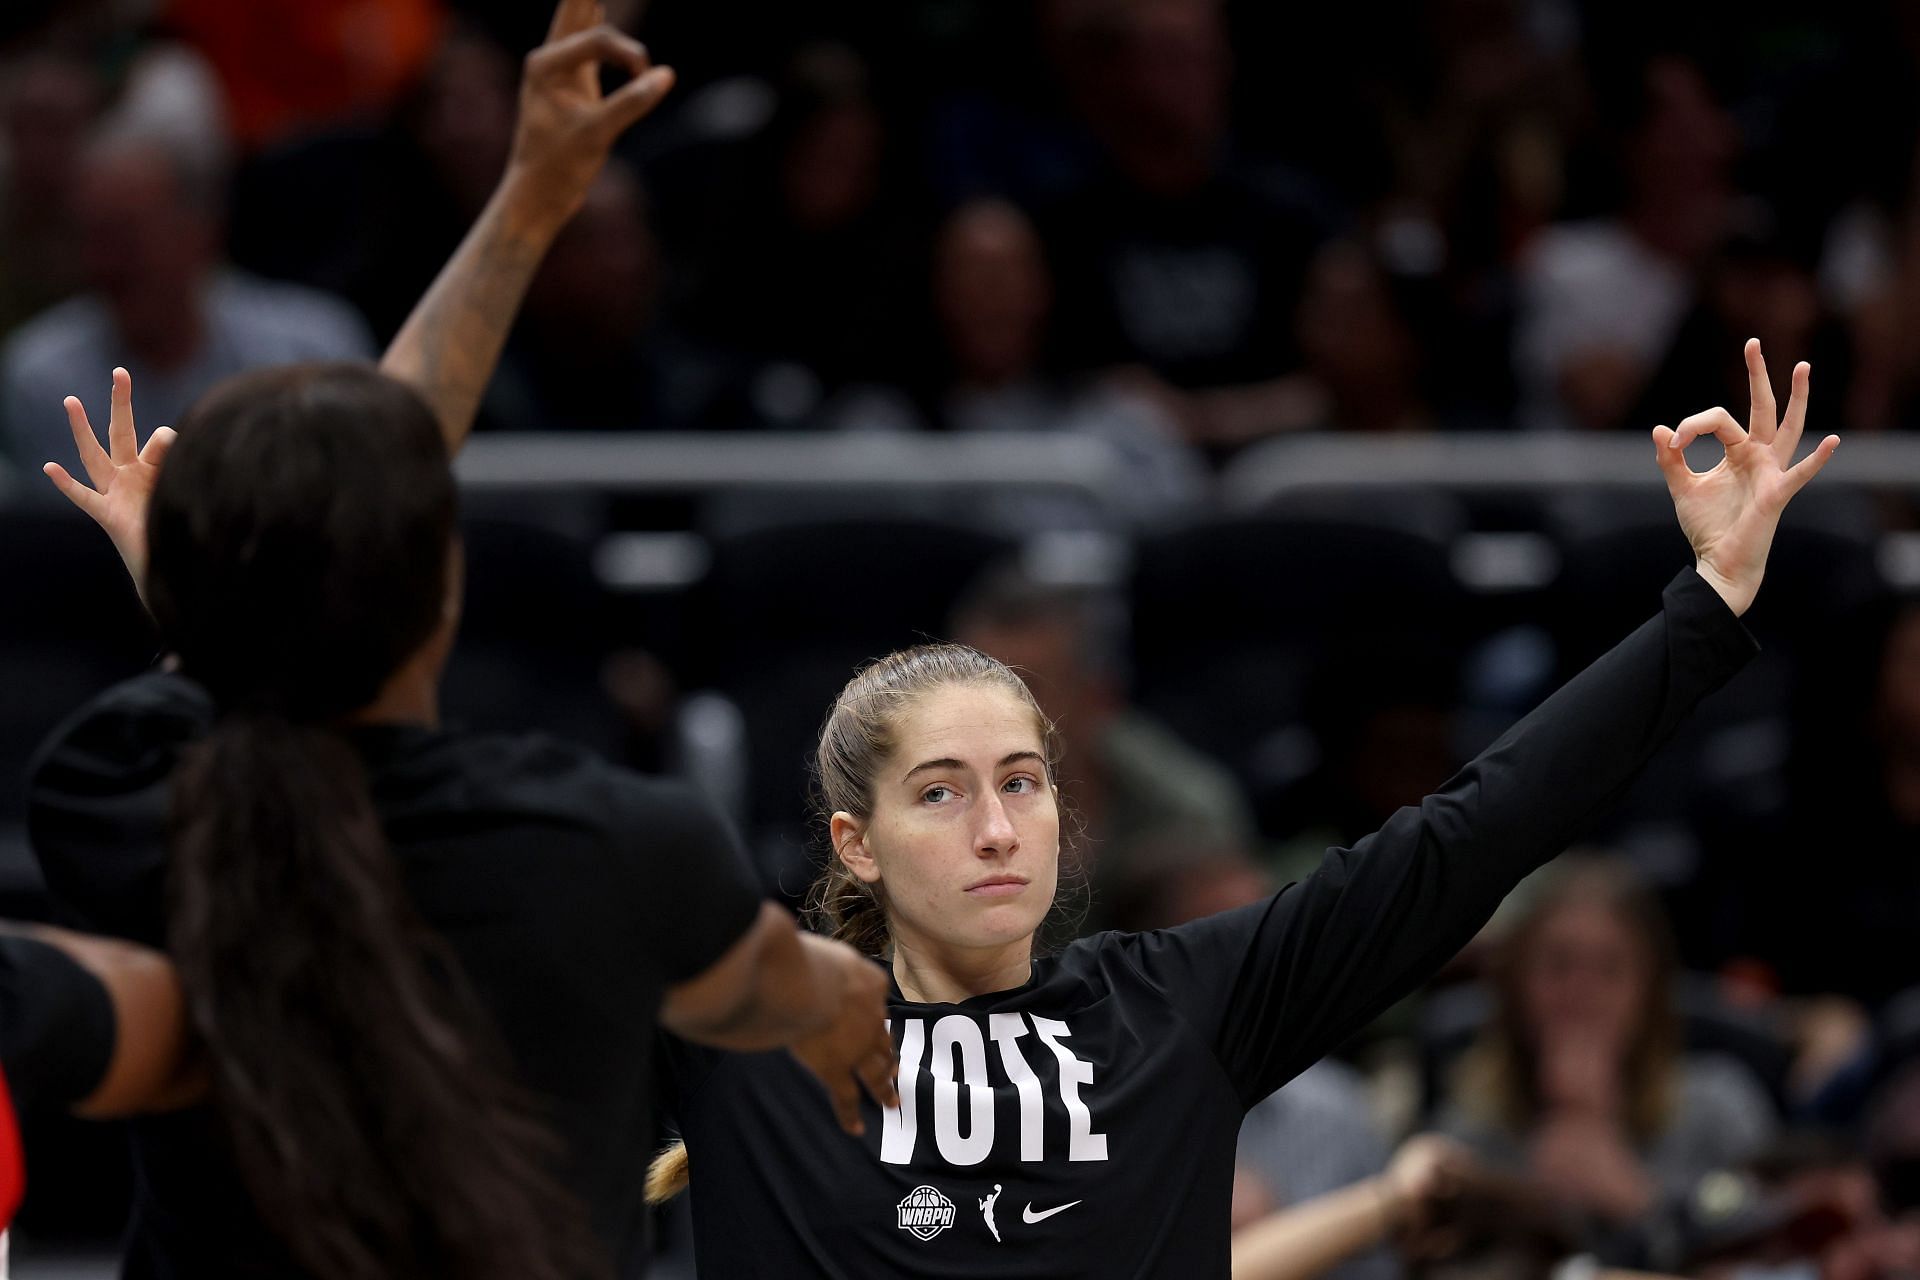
point(1309, 1238)
point(1548, 778)
point(796, 991)
point(450, 344)
point(1377, 920)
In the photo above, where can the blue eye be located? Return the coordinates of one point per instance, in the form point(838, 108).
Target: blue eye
point(933, 795)
point(1021, 785)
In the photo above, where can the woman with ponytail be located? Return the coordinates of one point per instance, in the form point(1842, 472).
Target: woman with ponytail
point(426, 966)
point(1076, 1113)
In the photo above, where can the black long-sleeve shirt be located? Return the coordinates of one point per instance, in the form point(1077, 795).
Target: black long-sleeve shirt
point(572, 893)
point(1084, 1124)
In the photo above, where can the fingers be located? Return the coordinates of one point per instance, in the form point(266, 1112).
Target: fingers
point(571, 16)
point(1796, 419)
point(1810, 466)
point(636, 98)
point(121, 444)
point(75, 492)
point(99, 466)
point(846, 1104)
point(877, 1073)
point(1673, 462)
point(155, 450)
point(1762, 419)
point(581, 50)
point(1715, 422)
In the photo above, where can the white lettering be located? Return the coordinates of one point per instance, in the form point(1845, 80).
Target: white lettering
point(1005, 1028)
point(951, 1033)
point(900, 1127)
point(1083, 1143)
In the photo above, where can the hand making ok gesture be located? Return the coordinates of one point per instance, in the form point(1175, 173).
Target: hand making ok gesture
point(1729, 514)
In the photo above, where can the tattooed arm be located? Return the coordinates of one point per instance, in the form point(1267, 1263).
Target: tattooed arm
point(449, 345)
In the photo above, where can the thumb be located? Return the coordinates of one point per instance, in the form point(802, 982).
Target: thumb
point(634, 99)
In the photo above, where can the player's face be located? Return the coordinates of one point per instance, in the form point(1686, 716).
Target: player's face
point(965, 833)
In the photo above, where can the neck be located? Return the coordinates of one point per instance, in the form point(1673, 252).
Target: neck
point(930, 974)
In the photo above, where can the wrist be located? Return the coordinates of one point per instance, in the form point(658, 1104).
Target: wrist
point(1394, 1203)
point(829, 978)
point(525, 209)
point(1737, 595)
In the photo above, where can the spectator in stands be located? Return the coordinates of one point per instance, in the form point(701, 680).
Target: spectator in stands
point(48, 104)
point(1359, 343)
point(148, 211)
point(415, 187)
point(1147, 801)
point(1180, 263)
point(1580, 1082)
point(1601, 300)
point(302, 64)
point(1761, 282)
point(591, 352)
point(993, 303)
point(809, 261)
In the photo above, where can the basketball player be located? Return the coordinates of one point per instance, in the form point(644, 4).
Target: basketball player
point(426, 965)
point(1103, 1088)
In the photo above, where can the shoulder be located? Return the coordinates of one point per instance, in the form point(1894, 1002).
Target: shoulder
point(52, 342)
point(540, 774)
point(133, 729)
point(306, 323)
point(1715, 1090)
point(1577, 251)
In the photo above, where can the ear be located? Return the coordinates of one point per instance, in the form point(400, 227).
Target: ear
point(849, 836)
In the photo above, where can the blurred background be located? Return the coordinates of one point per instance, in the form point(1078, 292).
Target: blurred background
point(1271, 383)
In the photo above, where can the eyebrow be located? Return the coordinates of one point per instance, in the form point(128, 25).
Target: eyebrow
point(948, 762)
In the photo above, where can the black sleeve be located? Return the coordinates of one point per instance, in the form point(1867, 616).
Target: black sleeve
point(694, 891)
point(97, 802)
point(56, 1026)
point(1278, 984)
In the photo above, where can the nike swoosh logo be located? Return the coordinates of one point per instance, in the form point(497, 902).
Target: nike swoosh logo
point(1028, 1216)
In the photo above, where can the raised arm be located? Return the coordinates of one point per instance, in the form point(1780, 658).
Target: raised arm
point(451, 342)
point(449, 345)
point(1280, 983)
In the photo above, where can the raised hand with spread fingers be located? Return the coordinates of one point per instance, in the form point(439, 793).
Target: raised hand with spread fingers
point(122, 475)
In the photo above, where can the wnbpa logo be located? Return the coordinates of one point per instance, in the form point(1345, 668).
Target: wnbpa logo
point(925, 1212)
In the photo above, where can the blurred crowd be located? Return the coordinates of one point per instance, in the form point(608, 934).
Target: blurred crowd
point(1178, 226)
point(1181, 224)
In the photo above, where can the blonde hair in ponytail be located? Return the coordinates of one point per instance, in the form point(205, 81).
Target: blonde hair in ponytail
point(855, 740)
point(667, 1175)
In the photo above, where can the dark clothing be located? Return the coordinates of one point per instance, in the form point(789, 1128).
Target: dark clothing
point(1201, 289)
point(572, 893)
point(56, 1026)
point(1108, 1092)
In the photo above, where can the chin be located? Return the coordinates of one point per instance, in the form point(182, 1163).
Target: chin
point(1001, 924)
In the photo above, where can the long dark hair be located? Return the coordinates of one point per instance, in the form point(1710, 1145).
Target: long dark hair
point(300, 540)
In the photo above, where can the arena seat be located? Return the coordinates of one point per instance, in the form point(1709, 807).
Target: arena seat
point(1243, 626)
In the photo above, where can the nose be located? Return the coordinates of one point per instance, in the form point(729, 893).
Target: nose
point(995, 836)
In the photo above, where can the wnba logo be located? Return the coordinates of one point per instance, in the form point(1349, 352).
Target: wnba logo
point(925, 1212)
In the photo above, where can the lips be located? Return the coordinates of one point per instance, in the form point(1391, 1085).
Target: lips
point(997, 886)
